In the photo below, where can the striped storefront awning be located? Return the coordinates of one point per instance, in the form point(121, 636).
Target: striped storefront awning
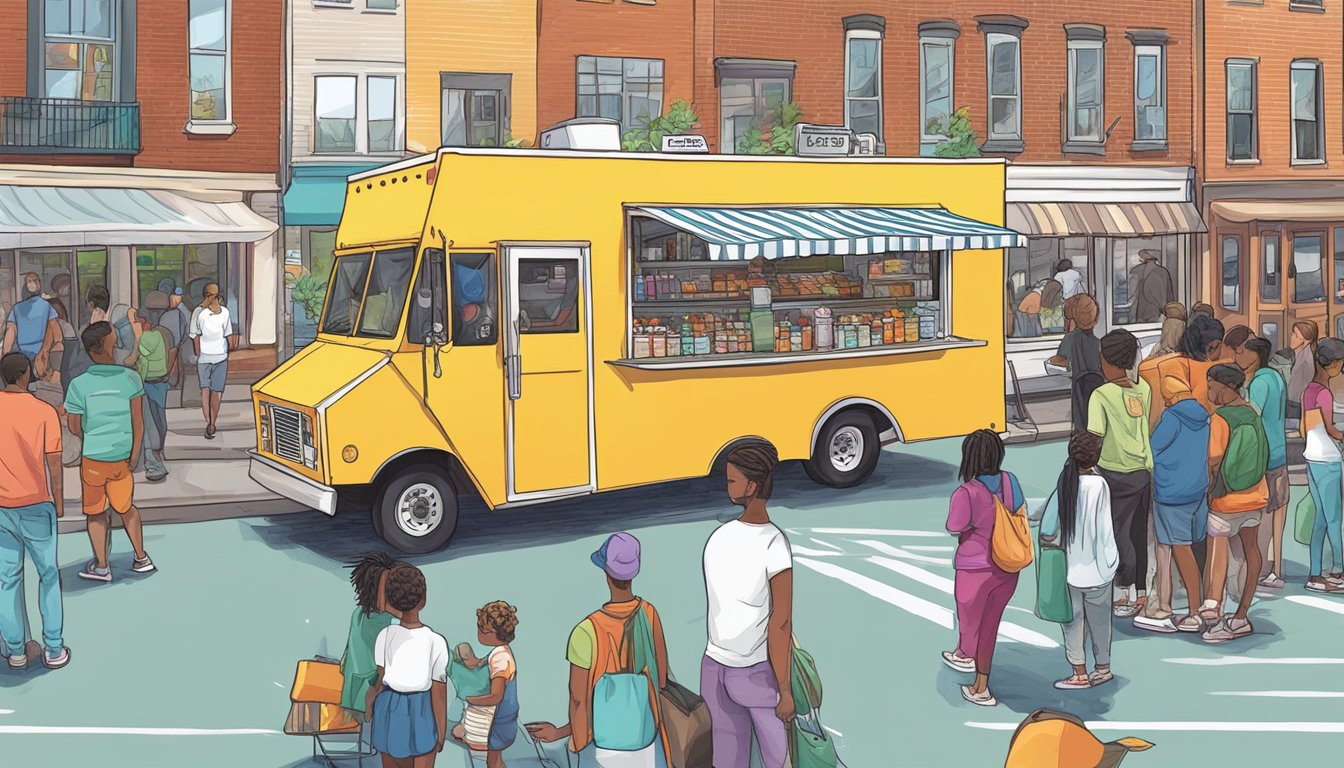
point(1104, 219)
point(745, 233)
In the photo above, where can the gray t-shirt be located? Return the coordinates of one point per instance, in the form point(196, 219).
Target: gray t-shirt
point(1083, 351)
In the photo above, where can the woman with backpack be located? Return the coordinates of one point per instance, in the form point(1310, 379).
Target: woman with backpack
point(982, 588)
point(1323, 466)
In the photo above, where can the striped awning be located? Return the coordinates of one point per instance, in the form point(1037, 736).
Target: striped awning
point(745, 233)
point(1104, 219)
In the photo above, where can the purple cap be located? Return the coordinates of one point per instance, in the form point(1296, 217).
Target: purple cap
point(618, 556)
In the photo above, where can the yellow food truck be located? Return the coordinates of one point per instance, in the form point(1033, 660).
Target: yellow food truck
point(538, 325)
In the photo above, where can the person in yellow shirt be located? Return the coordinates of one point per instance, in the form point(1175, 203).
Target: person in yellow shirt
point(1186, 375)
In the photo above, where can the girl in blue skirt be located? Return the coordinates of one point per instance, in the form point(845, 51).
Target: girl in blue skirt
point(409, 698)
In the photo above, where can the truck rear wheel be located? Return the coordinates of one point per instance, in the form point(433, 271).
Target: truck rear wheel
point(416, 511)
point(846, 451)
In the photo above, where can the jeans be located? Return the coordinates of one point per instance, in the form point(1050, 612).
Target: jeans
point(1323, 478)
point(156, 426)
point(1091, 611)
point(741, 701)
point(30, 529)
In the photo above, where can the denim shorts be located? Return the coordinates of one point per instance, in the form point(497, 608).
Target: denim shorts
point(213, 375)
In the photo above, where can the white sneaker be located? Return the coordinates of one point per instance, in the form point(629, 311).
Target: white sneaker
point(18, 662)
point(981, 699)
point(1165, 626)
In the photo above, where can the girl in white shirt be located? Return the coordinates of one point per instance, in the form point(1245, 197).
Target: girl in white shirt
point(1078, 518)
point(408, 700)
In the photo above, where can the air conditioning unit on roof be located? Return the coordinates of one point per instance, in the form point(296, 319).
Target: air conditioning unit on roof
point(584, 133)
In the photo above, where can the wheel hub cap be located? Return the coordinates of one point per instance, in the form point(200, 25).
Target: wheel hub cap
point(846, 449)
point(419, 509)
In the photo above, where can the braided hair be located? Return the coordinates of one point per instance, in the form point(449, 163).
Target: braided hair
point(1084, 452)
point(981, 454)
point(756, 460)
point(365, 575)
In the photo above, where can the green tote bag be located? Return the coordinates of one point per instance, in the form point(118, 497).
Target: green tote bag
point(810, 746)
point(1306, 520)
point(1052, 585)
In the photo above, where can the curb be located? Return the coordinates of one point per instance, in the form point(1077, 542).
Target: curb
point(74, 522)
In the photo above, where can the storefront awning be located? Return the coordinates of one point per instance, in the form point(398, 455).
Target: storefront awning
point(745, 233)
point(36, 217)
point(1279, 210)
point(316, 194)
point(1104, 219)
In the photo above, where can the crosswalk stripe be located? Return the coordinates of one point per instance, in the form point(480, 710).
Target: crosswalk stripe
point(48, 730)
point(900, 553)
point(884, 592)
point(1333, 606)
point(1283, 694)
point(1207, 726)
point(880, 532)
point(1232, 661)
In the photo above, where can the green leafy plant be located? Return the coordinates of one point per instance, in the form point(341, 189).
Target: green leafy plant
point(311, 292)
point(961, 140)
point(680, 118)
point(772, 134)
point(509, 143)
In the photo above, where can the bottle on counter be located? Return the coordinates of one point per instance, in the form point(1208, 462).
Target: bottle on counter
point(912, 327)
point(795, 338)
point(807, 334)
point(898, 326)
point(720, 343)
point(658, 341)
point(687, 339)
point(673, 343)
point(650, 288)
point(928, 326)
point(639, 288)
point(875, 331)
point(888, 328)
point(825, 333)
point(640, 347)
point(865, 334)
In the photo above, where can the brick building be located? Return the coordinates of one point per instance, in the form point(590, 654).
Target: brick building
point(1270, 165)
point(139, 147)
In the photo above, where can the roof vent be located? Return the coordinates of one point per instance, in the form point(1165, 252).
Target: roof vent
point(584, 133)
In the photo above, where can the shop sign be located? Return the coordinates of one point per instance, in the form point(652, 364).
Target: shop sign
point(822, 140)
point(689, 143)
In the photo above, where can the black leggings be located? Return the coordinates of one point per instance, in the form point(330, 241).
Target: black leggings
point(1131, 504)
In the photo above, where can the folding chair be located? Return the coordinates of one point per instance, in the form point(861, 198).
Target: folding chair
point(316, 711)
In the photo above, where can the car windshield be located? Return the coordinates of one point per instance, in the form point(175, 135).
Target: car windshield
point(367, 293)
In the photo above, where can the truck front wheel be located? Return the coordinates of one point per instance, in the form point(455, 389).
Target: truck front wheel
point(416, 511)
point(846, 451)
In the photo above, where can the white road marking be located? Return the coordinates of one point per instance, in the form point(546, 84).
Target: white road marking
point(1231, 661)
point(940, 583)
point(1333, 606)
point(1214, 726)
point(833, 732)
point(826, 544)
point(925, 548)
point(880, 532)
point(51, 730)
point(277, 685)
point(884, 548)
point(6, 711)
point(1283, 694)
point(797, 550)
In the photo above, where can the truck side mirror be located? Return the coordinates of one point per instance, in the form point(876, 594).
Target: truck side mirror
point(436, 261)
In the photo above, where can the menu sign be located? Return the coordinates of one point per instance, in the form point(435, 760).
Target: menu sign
point(822, 140)
point(685, 143)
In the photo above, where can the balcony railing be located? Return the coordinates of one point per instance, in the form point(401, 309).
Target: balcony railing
point(29, 125)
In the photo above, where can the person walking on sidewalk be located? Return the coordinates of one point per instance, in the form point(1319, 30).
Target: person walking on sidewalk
point(1323, 467)
point(1238, 456)
point(1268, 393)
point(1081, 352)
point(981, 588)
point(595, 649)
point(155, 359)
point(1078, 516)
point(31, 499)
point(213, 337)
point(105, 408)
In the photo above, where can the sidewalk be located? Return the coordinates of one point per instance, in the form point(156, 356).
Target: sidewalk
point(207, 479)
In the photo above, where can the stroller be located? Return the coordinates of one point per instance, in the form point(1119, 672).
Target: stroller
point(315, 710)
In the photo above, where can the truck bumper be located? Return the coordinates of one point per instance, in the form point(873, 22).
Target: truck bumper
point(276, 477)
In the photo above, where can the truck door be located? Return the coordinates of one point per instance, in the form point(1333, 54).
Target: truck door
point(548, 365)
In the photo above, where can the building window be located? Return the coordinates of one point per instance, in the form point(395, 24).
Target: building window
point(1308, 269)
point(474, 109)
point(1339, 264)
point(1271, 281)
point(1086, 89)
point(1036, 297)
point(381, 5)
point(79, 49)
point(629, 91)
point(936, 74)
point(1231, 272)
point(166, 268)
point(1150, 91)
point(1241, 105)
point(335, 114)
point(751, 93)
point(382, 109)
point(1005, 87)
point(208, 38)
point(1143, 277)
point(863, 74)
point(1308, 129)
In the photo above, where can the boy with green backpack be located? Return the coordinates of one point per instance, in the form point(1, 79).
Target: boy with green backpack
point(1238, 496)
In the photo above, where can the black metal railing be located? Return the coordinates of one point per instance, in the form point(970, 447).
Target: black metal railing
point(69, 125)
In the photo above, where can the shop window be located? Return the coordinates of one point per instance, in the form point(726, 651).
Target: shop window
point(1241, 108)
point(475, 286)
point(1308, 128)
point(629, 91)
point(1271, 280)
point(1086, 131)
point(1036, 296)
point(309, 287)
point(1338, 240)
point(335, 105)
point(474, 109)
point(863, 81)
point(548, 296)
point(1150, 97)
point(382, 121)
point(208, 55)
point(936, 74)
point(385, 296)
point(66, 277)
point(1231, 260)
point(1308, 274)
point(1143, 278)
point(79, 49)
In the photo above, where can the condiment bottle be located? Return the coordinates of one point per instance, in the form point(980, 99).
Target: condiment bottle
point(912, 327)
point(673, 343)
point(795, 339)
point(640, 346)
point(658, 341)
point(898, 326)
point(888, 328)
point(865, 334)
point(825, 334)
point(807, 335)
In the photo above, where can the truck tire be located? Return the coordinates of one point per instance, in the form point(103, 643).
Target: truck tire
point(846, 452)
point(416, 511)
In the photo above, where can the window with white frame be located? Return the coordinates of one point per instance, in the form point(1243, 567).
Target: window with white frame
point(1150, 96)
point(1086, 105)
point(629, 91)
point(382, 112)
point(935, 87)
point(335, 113)
point(863, 81)
point(1004, 78)
point(208, 40)
point(752, 94)
point(1242, 131)
point(79, 49)
point(1308, 128)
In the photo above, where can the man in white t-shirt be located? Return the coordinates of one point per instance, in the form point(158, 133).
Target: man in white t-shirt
point(1070, 279)
point(745, 674)
point(212, 336)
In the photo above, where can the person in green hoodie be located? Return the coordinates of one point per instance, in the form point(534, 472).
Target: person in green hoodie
point(372, 615)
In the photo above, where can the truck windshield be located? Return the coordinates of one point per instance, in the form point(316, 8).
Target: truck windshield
point(368, 292)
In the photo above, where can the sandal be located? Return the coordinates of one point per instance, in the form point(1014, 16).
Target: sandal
point(1190, 623)
point(1074, 683)
point(1101, 675)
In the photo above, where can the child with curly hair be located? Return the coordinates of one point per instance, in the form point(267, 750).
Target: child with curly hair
point(409, 697)
point(490, 722)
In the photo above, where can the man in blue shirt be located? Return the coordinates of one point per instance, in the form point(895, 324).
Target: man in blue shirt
point(1267, 391)
point(31, 327)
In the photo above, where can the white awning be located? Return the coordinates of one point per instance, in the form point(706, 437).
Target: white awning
point(36, 217)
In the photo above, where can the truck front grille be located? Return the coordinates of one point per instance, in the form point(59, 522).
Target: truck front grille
point(287, 426)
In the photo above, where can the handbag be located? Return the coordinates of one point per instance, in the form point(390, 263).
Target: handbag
point(804, 681)
point(1053, 602)
point(686, 724)
point(810, 746)
point(1305, 520)
point(1010, 541)
point(316, 700)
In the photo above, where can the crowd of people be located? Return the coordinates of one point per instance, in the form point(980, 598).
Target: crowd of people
point(1178, 459)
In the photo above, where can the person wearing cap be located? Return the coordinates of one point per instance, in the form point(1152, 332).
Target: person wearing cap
point(1150, 288)
point(1060, 740)
point(595, 648)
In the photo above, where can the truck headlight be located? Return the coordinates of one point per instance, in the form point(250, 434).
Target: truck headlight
point(309, 443)
point(265, 419)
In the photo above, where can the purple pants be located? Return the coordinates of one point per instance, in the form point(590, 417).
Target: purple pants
point(742, 701)
point(981, 597)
